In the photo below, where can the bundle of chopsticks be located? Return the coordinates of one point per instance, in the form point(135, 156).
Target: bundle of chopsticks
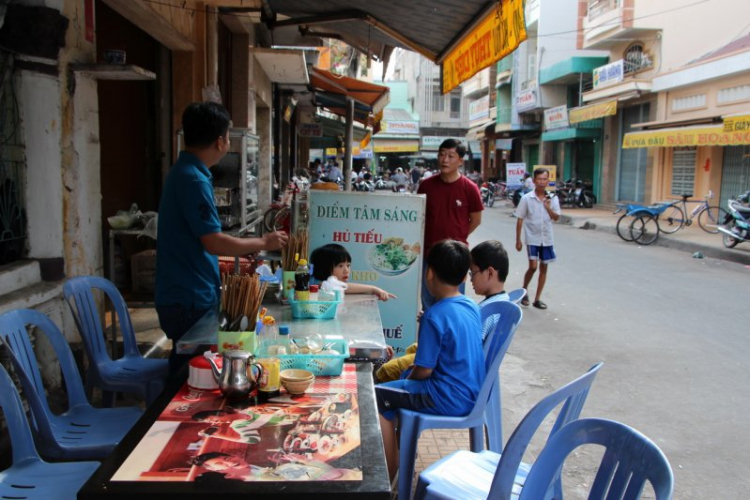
point(296, 249)
point(242, 295)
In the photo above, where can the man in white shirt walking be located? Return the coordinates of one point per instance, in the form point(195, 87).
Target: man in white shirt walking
point(536, 212)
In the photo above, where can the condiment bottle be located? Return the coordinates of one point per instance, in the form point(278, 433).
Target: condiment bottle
point(314, 292)
point(284, 346)
point(267, 343)
point(302, 281)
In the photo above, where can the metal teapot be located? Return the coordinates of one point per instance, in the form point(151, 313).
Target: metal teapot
point(239, 373)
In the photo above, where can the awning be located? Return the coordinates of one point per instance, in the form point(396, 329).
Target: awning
point(395, 145)
point(620, 91)
point(567, 134)
point(440, 30)
point(283, 66)
point(685, 136)
point(331, 91)
point(569, 70)
point(331, 130)
point(477, 132)
point(592, 111)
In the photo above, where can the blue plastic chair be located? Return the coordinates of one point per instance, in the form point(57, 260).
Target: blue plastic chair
point(412, 423)
point(469, 475)
point(131, 373)
point(80, 433)
point(516, 295)
point(30, 476)
point(493, 414)
point(630, 459)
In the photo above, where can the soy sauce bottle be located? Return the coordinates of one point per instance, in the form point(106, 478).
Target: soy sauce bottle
point(302, 281)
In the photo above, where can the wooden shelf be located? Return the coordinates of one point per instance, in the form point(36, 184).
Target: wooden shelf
point(114, 71)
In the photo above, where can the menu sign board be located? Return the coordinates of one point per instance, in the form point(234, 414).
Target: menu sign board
point(384, 234)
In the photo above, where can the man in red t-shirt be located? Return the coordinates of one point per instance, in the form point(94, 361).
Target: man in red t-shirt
point(454, 205)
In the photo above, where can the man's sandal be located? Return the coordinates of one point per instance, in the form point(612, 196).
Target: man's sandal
point(525, 300)
point(539, 304)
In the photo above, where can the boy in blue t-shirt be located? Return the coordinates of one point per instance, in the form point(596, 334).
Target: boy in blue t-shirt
point(449, 366)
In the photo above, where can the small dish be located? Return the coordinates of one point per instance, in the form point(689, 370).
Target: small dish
point(296, 381)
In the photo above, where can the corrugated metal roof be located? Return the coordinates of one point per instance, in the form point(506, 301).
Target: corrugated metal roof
point(426, 26)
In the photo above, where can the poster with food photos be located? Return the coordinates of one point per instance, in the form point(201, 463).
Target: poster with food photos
point(383, 233)
point(202, 436)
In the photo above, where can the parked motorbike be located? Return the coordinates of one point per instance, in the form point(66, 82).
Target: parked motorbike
point(576, 193)
point(516, 195)
point(737, 228)
point(487, 190)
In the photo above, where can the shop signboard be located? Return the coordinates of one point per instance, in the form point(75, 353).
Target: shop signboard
point(479, 109)
point(433, 142)
point(310, 130)
point(395, 146)
point(609, 73)
point(552, 169)
point(526, 99)
point(498, 34)
point(399, 127)
point(514, 174)
point(737, 123)
point(592, 111)
point(504, 144)
point(556, 117)
point(384, 234)
point(686, 136)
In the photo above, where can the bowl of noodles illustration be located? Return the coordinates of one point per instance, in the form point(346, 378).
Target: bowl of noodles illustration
point(393, 256)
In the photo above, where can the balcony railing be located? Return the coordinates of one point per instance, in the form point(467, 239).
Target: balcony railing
point(637, 64)
point(599, 7)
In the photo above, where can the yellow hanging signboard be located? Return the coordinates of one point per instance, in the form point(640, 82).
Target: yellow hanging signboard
point(686, 136)
point(737, 123)
point(496, 36)
point(592, 111)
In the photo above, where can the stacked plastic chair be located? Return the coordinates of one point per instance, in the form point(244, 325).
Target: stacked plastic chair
point(131, 373)
point(82, 432)
point(30, 477)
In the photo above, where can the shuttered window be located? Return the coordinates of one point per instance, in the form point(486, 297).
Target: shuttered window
point(683, 171)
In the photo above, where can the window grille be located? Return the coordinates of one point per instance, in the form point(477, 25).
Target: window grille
point(636, 59)
point(683, 171)
point(12, 213)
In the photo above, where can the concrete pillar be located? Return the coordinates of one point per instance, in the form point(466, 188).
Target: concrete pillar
point(40, 118)
point(241, 84)
point(348, 137)
point(264, 130)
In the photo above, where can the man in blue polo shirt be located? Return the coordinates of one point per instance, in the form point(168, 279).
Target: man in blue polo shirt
point(189, 231)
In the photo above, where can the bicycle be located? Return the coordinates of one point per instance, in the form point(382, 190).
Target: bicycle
point(709, 217)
